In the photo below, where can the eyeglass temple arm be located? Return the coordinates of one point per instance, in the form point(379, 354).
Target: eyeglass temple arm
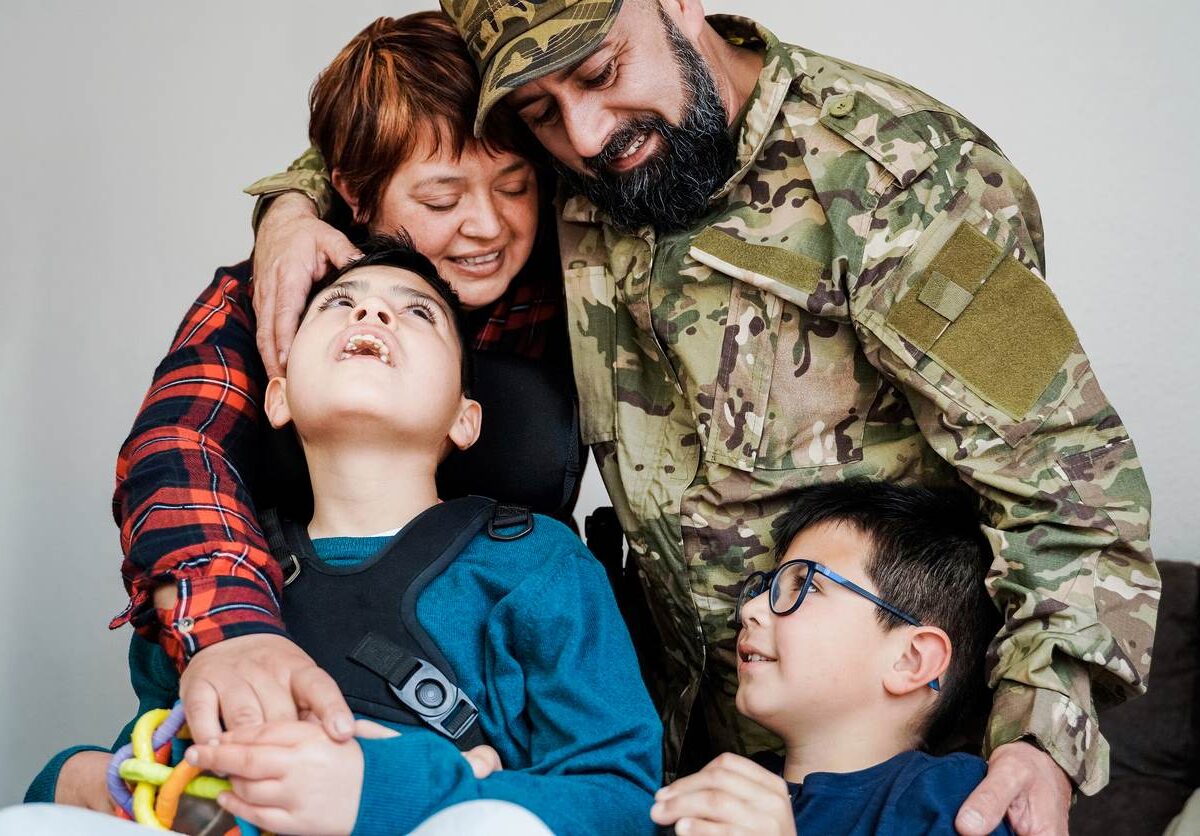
point(877, 601)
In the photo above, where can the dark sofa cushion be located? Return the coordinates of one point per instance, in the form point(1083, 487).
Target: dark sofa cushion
point(1155, 738)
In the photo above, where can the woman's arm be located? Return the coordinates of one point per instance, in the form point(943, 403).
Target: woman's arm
point(184, 509)
point(188, 522)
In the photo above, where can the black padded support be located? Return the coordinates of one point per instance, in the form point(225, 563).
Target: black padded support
point(528, 453)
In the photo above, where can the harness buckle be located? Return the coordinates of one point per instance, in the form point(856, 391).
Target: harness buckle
point(291, 568)
point(428, 693)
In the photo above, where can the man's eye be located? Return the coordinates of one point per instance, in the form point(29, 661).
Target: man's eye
point(441, 207)
point(514, 189)
point(603, 77)
point(548, 114)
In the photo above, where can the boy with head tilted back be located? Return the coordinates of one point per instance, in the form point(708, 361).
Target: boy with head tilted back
point(456, 623)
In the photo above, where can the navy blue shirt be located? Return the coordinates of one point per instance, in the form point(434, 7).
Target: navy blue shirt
point(910, 793)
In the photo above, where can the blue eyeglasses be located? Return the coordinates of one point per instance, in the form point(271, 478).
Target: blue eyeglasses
point(790, 582)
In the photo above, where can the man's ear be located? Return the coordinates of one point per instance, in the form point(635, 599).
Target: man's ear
point(339, 185)
point(275, 403)
point(465, 430)
point(688, 16)
point(924, 657)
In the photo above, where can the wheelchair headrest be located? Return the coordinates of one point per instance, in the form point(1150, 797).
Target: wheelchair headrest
point(528, 452)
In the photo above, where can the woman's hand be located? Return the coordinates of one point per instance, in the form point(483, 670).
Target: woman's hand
point(730, 795)
point(81, 782)
point(293, 249)
point(248, 680)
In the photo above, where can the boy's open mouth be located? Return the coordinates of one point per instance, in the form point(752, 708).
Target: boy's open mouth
point(749, 654)
point(366, 345)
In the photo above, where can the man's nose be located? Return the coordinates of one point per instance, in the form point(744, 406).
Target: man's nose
point(587, 125)
point(371, 309)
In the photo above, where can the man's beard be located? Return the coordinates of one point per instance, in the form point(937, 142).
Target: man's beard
point(670, 190)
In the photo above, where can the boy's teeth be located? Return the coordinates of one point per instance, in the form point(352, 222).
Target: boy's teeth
point(377, 347)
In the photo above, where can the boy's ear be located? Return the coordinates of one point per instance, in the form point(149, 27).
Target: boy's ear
point(339, 185)
point(923, 658)
point(465, 430)
point(275, 403)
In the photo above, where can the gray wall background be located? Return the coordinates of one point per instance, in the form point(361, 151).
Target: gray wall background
point(127, 130)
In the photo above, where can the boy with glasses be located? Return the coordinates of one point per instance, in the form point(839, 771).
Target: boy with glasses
point(862, 649)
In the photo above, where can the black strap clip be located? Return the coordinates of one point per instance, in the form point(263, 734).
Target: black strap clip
point(418, 684)
point(510, 516)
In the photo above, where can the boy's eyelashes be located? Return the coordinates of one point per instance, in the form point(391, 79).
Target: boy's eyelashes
point(340, 298)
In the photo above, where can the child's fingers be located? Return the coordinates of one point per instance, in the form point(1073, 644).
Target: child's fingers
point(254, 762)
point(739, 776)
point(711, 804)
point(267, 792)
point(484, 760)
point(370, 730)
point(274, 819)
point(282, 733)
point(700, 827)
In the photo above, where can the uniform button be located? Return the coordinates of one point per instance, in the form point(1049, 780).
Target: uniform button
point(185, 624)
point(841, 105)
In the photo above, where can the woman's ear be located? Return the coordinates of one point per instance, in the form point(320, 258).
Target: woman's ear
point(923, 659)
point(344, 191)
point(465, 430)
point(275, 403)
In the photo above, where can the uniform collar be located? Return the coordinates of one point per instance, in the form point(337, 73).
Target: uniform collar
point(758, 114)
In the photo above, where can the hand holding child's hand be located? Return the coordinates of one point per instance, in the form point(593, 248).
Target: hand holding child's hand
point(290, 777)
point(258, 678)
point(730, 795)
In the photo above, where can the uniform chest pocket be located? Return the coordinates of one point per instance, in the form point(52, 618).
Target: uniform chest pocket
point(792, 388)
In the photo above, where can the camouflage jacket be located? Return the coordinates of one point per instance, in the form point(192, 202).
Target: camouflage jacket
point(865, 298)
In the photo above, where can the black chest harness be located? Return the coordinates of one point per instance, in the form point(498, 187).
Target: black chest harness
point(359, 623)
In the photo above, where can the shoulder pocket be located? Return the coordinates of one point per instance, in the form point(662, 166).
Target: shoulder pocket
point(977, 323)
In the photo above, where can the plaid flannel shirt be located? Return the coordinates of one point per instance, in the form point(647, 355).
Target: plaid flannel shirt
point(184, 509)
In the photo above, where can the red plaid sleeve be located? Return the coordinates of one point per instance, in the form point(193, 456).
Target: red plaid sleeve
point(181, 502)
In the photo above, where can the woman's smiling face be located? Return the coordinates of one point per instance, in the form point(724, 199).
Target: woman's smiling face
point(473, 215)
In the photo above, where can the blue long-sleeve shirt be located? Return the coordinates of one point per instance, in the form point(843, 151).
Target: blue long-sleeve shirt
point(534, 637)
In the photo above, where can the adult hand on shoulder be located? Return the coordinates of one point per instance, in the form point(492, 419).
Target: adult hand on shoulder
point(293, 249)
point(289, 777)
point(730, 795)
point(81, 782)
point(1026, 784)
point(259, 678)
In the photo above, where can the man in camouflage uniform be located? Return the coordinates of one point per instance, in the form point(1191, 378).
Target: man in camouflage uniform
point(860, 294)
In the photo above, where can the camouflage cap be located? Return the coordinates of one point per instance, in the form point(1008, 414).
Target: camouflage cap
point(516, 41)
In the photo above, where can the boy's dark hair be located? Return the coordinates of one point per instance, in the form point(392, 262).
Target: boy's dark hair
point(396, 250)
point(929, 558)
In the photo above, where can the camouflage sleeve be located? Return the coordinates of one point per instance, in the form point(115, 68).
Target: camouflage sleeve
point(306, 174)
point(960, 319)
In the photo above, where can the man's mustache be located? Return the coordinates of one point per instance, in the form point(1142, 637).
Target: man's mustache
point(619, 141)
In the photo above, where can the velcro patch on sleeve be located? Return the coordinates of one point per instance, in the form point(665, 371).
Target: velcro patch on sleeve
point(988, 320)
point(734, 257)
